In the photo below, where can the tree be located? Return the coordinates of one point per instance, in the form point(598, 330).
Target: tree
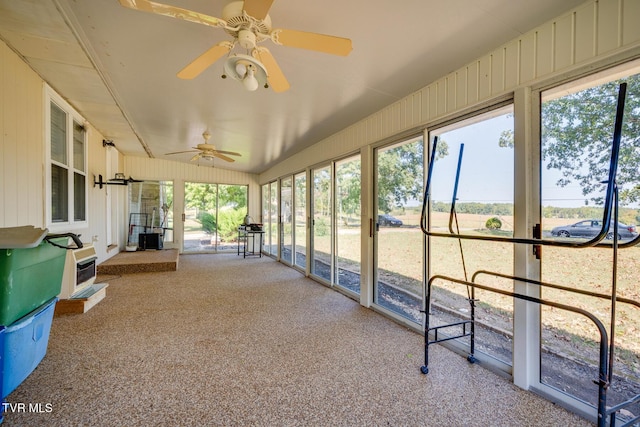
point(322, 192)
point(400, 176)
point(577, 131)
point(232, 195)
point(493, 223)
point(349, 187)
point(200, 196)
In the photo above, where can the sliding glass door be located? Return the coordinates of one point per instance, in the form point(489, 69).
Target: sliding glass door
point(270, 217)
point(348, 182)
point(577, 131)
point(301, 225)
point(286, 220)
point(336, 222)
point(474, 173)
point(232, 208)
point(272, 249)
point(398, 238)
point(200, 225)
point(322, 223)
point(212, 214)
point(151, 211)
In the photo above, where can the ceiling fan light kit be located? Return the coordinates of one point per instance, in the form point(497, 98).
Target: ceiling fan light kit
point(246, 69)
point(249, 23)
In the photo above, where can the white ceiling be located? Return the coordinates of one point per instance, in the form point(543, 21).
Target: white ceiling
point(118, 67)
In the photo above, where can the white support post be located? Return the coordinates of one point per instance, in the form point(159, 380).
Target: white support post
point(366, 218)
point(526, 316)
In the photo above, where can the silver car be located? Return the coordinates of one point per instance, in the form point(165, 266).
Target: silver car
point(591, 227)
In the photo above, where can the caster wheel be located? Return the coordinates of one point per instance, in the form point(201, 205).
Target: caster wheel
point(424, 370)
point(471, 358)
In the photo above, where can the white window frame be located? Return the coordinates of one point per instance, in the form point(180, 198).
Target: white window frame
point(529, 372)
point(50, 96)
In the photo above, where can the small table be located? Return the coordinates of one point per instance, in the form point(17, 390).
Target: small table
point(244, 235)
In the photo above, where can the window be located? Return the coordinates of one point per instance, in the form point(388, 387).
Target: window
point(66, 138)
point(474, 168)
point(577, 124)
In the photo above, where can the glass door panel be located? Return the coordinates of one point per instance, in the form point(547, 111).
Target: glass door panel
point(322, 223)
point(300, 233)
point(151, 208)
point(273, 219)
point(348, 219)
point(266, 224)
point(286, 220)
point(200, 225)
point(232, 208)
point(483, 207)
point(577, 130)
point(399, 240)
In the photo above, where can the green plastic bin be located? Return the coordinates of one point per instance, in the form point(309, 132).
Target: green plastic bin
point(30, 271)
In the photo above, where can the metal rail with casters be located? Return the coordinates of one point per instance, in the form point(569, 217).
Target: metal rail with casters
point(613, 410)
point(603, 373)
point(610, 214)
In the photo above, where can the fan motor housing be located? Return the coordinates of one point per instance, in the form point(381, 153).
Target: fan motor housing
point(235, 17)
point(246, 39)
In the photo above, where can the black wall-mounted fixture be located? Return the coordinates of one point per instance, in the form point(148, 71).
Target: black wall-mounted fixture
point(108, 143)
point(119, 179)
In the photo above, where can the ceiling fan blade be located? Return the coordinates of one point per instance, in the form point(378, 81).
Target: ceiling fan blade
point(196, 157)
point(173, 12)
point(275, 76)
point(180, 152)
point(312, 41)
point(205, 60)
point(222, 156)
point(228, 153)
point(257, 8)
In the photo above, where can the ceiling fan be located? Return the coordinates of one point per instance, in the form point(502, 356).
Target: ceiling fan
point(208, 151)
point(249, 23)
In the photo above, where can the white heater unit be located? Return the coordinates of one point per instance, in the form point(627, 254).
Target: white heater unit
point(79, 271)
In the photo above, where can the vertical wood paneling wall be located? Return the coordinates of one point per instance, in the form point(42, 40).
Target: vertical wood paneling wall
point(21, 143)
point(572, 43)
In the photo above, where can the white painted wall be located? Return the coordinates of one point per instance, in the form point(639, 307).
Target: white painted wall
point(21, 143)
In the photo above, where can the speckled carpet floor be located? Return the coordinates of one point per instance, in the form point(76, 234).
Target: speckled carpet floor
point(250, 342)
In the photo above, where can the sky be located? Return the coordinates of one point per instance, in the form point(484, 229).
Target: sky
point(487, 174)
